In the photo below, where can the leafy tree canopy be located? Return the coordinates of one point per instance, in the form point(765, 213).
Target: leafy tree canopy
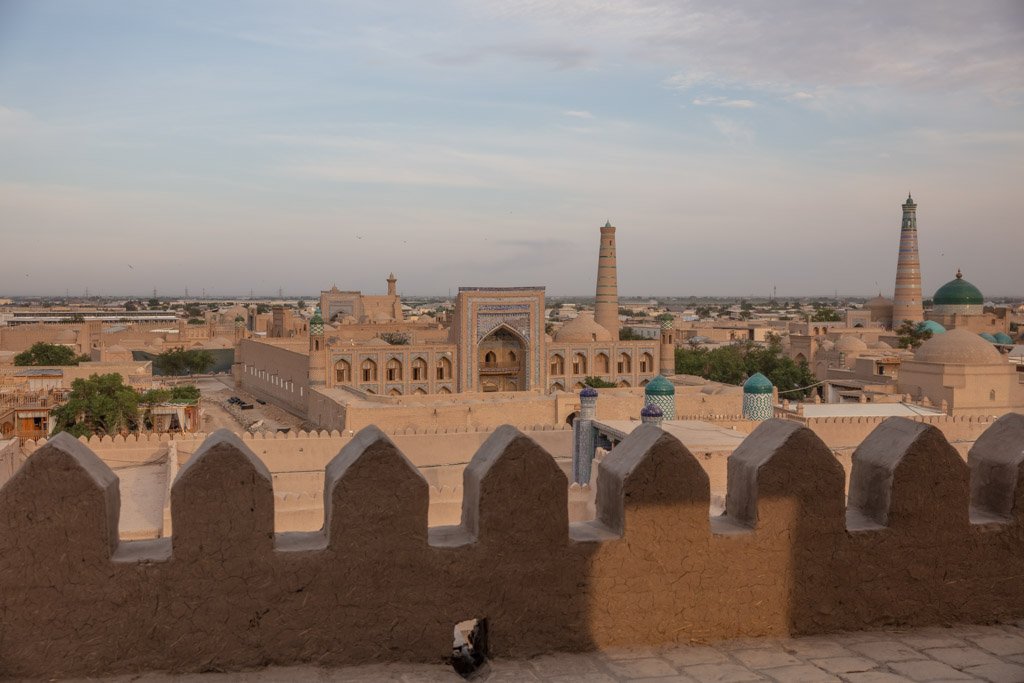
point(733, 364)
point(182, 362)
point(42, 353)
point(825, 314)
point(911, 335)
point(629, 334)
point(101, 404)
point(185, 393)
point(598, 383)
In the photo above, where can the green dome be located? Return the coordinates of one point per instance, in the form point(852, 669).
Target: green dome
point(757, 384)
point(987, 337)
point(317, 318)
point(659, 386)
point(1003, 338)
point(958, 292)
point(931, 326)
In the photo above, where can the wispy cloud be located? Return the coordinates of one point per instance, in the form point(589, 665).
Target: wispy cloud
point(735, 132)
point(579, 114)
point(718, 101)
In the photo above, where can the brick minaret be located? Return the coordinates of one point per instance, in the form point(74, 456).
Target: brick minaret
point(667, 352)
point(392, 285)
point(606, 309)
point(317, 350)
point(907, 300)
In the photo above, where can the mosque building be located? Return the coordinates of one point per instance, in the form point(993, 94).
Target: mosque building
point(496, 342)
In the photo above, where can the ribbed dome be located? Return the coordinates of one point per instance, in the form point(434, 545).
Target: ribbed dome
point(931, 326)
point(880, 345)
point(848, 343)
point(958, 292)
point(659, 386)
point(1003, 338)
point(582, 328)
point(960, 347)
point(757, 384)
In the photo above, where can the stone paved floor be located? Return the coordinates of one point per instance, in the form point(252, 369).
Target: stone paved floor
point(962, 653)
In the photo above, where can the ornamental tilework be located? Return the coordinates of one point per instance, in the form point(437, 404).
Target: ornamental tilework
point(757, 406)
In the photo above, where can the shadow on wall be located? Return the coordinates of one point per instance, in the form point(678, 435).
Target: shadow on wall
point(376, 584)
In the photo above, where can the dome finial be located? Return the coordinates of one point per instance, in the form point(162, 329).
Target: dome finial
point(959, 275)
point(607, 224)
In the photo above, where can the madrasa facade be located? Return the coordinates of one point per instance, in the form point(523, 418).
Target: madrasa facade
point(496, 342)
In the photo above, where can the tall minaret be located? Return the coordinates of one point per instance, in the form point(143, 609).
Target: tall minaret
point(606, 308)
point(317, 351)
point(392, 285)
point(907, 300)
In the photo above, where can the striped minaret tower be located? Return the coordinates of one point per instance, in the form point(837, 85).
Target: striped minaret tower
point(606, 308)
point(907, 300)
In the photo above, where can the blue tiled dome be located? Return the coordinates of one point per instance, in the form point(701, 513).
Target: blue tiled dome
point(588, 392)
point(659, 386)
point(757, 384)
point(651, 410)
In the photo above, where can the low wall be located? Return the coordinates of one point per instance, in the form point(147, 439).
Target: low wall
point(925, 539)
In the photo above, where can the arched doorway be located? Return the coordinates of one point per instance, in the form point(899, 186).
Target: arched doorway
point(499, 361)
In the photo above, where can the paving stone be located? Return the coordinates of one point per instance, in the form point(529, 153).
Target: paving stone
point(592, 677)
point(928, 641)
point(1003, 672)
point(801, 673)
point(929, 670)
point(628, 653)
point(563, 665)
point(812, 648)
point(961, 657)
point(886, 651)
point(764, 658)
point(845, 665)
point(641, 668)
point(876, 677)
point(1001, 645)
point(722, 673)
point(746, 644)
point(678, 678)
point(694, 654)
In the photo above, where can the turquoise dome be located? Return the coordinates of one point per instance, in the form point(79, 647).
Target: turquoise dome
point(659, 386)
point(757, 384)
point(931, 326)
point(1002, 338)
point(958, 292)
point(987, 337)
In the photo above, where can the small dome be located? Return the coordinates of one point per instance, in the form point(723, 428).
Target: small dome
point(987, 337)
point(651, 410)
point(588, 392)
point(959, 347)
point(582, 328)
point(848, 343)
point(1003, 338)
point(881, 345)
point(930, 326)
point(659, 386)
point(317, 318)
point(958, 292)
point(758, 384)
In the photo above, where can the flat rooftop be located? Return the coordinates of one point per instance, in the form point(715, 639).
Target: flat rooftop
point(865, 410)
point(696, 435)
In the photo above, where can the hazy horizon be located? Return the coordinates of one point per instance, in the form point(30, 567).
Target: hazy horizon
point(229, 146)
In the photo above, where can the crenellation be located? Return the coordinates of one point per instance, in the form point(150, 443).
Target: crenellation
point(375, 583)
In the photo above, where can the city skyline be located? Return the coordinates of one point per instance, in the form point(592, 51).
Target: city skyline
point(211, 147)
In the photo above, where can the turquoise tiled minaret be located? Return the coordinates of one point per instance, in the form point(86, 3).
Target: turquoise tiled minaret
point(757, 398)
point(661, 393)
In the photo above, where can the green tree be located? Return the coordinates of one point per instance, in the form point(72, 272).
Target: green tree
point(154, 303)
point(196, 321)
point(262, 308)
point(629, 334)
point(300, 304)
point(101, 405)
point(733, 364)
point(912, 334)
point(598, 383)
point(182, 362)
point(395, 338)
point(825, 314)
point(42, 353)
point(184, 393)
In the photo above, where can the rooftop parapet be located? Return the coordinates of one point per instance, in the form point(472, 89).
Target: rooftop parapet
point(925, 539)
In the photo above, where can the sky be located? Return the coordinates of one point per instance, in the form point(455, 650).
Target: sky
point(236, 146)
